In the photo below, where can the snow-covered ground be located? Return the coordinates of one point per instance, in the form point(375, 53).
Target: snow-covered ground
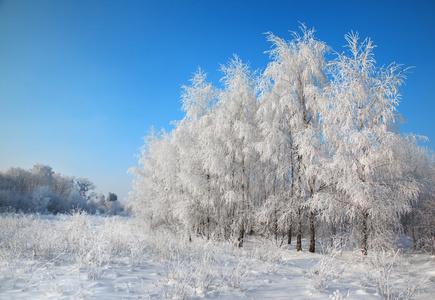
point(88, 257)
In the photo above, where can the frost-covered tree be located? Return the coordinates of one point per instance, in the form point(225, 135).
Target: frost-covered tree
point(100, 200)
point(85, 188)
point(289, 118)
point(43, 174)
point(75, 200)
point(420, 220)
point(111, 197)
point(40, 198)
point(233, 158)
point(361, 107)
point(62, 184)
point(150, 187)
point(193, 183)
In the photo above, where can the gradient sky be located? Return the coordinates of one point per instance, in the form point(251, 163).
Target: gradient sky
point(81, 82)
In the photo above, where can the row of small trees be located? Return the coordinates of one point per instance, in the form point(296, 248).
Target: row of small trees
point(41, 190)
point(306, 143)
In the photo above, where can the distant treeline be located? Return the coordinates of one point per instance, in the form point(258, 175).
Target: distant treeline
point(41, 190)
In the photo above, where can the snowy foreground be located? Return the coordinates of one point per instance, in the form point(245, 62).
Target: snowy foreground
point(88, 257)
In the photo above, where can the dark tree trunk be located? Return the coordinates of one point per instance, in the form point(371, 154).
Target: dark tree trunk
point(289, 234)
point(275, 226)
point(364, 233)
point(241, 237)
point(299, 233)
point(333, 232)
point(312, 233)
point(208, 228)
point(414, 240)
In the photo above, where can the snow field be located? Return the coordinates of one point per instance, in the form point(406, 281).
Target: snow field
point(91, 257)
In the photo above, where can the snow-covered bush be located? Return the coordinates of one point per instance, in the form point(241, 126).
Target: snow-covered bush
point(385, 268)
point(337, 295)
point(327, 269)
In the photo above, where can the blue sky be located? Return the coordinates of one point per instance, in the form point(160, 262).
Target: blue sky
point(81, 82)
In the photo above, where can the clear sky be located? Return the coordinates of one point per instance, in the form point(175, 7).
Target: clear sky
point(81, 82)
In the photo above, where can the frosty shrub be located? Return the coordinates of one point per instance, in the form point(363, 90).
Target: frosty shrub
point(268, 252)
point(185, 278)
point(29, 236)
point(383, 263)
point(88, 242)
point(337, 295)
point(327, 268)
point(191, 269)
point(94, 241)
point(385, 267)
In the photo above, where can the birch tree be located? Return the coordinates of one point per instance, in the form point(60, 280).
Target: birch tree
point(236, 129)
point(291, 89)
point(361, 107)
point(197, 209)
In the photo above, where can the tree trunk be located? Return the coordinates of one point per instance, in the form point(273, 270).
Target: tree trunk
point(312, 232)
point(299, 229)
point(299, 232)
point(333, 233)
point(241, 235)
point(208, 228)
point(289, 234)
point(275, 226)
point(364, 233)
point(414, 240)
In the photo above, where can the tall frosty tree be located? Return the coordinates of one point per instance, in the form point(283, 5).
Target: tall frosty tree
point(233, 159)
point(361, 107)
point(156, 185)
point(197, 208)
point(418, 165)
point(289, 119)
